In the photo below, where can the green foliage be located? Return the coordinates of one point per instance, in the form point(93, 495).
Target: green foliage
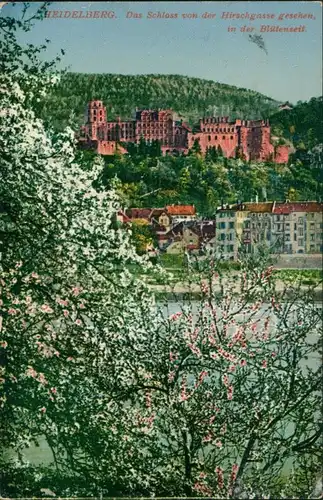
point(302, 125)
point(142, 235)
point(206, 182)
point(190, 98)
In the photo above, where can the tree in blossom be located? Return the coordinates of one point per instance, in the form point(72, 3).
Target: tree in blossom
point(216, 399)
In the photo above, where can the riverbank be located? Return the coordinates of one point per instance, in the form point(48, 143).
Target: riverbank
point(182, 290)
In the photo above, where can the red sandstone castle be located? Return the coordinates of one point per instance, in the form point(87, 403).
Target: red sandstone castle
point(249, 139)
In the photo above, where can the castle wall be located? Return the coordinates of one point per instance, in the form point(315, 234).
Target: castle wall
point(250, 138)
point(281, 154)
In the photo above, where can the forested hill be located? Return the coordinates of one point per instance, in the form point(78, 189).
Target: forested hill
point(302, 125)
point(191, 98)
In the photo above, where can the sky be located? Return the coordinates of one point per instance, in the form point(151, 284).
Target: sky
point(291, 70)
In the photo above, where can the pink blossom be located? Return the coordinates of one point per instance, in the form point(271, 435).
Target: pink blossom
point(235, 469)
point(66, 313)
point(78, 322)
point(53, 390)
point(2, 380)
point(62, 302)
point(195, 350)
point(31, 372)
point(18, 265)
point(12, 311)
point(69, 358)
point(225, 379)
point(82, 306)
point(230, 392)
point(211, 420)
point(202, 375)
point(76, 291)
point(218, 443)
point(172, 357)
point(4, 344)
point(219, 473)
point(202, 475)
point(232, 368)
point(243, 362)
point(183, 396)
point(264, 364)
point(43, 409)
point(148, 400)
point(46, 309)
point(171, 376)
point(273, 354)
point(202, 488)
point(41, 378)
point(207, 438)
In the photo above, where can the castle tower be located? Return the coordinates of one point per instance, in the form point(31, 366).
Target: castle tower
point(96, 115)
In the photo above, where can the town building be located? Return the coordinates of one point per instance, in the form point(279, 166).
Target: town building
point(287, 228)
point(249, 139)
point(188, 236)
point(283, 228)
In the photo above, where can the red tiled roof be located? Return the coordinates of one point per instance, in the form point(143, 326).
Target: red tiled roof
point(138, 213)
point(181, 209)
point(287, 208)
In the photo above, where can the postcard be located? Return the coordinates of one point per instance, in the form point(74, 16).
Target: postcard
point(161, 239)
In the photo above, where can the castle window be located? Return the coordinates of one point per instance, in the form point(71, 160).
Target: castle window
point(223, 137)
point(209, 138)
point(217, 130)
point(231, 137)
point(216, 137)
point(220, 129)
